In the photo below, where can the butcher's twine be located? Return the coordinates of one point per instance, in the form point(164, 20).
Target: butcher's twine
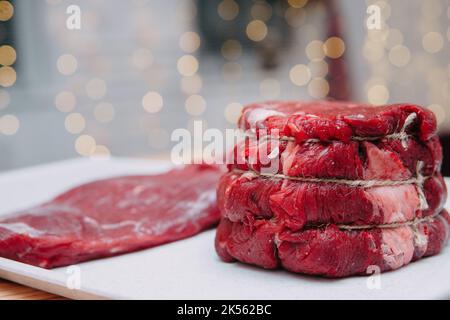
point(410, 223)
point(418, 181)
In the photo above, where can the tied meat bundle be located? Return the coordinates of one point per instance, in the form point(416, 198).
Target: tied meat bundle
point(333, 188)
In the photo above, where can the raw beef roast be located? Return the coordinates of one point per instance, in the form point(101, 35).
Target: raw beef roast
point(326, 120)
point(113, 216)
point(383, 159)
point(244, 196)
point(328, 250)
point(333, 188)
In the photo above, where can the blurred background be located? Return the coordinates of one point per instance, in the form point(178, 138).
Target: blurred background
point(110, 77)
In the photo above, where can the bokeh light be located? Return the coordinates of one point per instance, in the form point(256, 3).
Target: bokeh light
point(318, 68)
point(378, 95)
point(6, 10)
point(195, 105)
point(228, 9)
point(233, 111)
point(378, 35)
point(85, 145)
point(231, 50)
point(297, 3)
point(315, 50)
point(75, 123)
point(433, 42)
point(374, 81)
point(190, 42)
point(65, 101)
point(8, 76)
point(101, 151)
point(261, 10)
point(394, 38)
point(9, 125)
point(399, 56)
point(7, 55)
point(187, 65)
point(152, 102)
point(300, 75)
point(256, 30)
point(318, 88)
point(334, 47)
point(67, 64)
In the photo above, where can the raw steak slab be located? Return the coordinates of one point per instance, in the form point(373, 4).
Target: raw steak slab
point(327, 120)
point(330, 251)
point(382, 160)
point(296, 204)
point(113, 216)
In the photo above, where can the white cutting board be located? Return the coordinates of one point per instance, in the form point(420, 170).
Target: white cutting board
point(188, 269)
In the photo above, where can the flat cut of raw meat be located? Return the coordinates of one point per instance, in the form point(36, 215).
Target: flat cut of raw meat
point(113, 216)
point(330, 251)
point(243, 196)
point(333, 120)
point(366, 160)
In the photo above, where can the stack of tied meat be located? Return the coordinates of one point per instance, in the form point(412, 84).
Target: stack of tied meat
point(349, 188)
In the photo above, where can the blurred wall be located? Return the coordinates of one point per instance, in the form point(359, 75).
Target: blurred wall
point(138, 69)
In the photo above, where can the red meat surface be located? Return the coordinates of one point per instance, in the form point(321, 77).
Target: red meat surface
point(329, 251)
point(113, 216)
point(333, 120)
point(296, 204)
point(333, 188)
point(379, 160)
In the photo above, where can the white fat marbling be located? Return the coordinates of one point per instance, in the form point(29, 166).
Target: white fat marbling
point(261, 114)
point(397, 246)
point(398, 203)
